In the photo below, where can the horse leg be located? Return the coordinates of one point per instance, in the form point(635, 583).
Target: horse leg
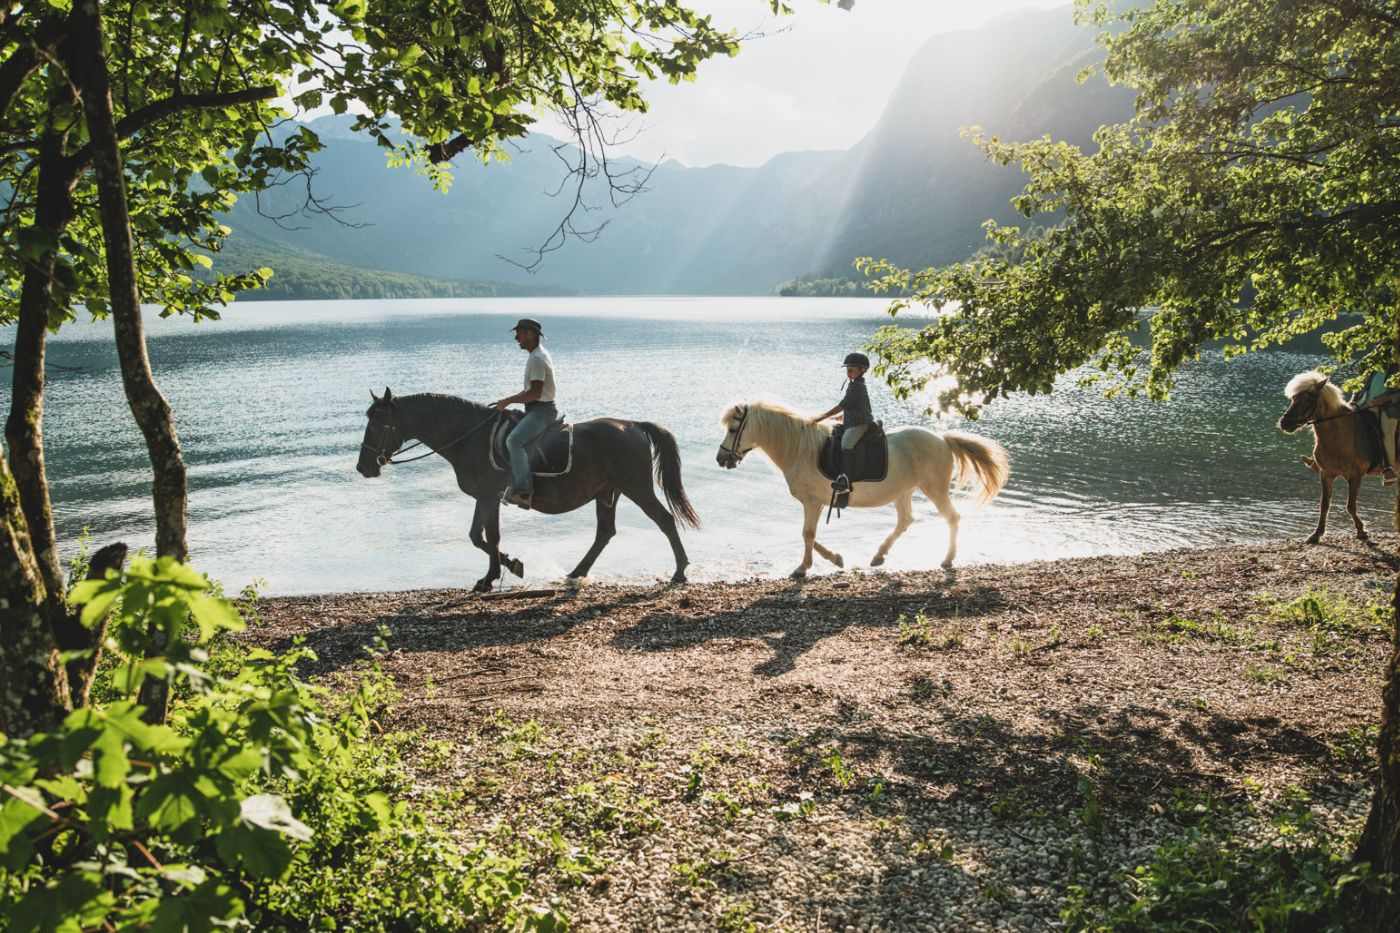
point(1327, 480)
point(1354, 487)
point(811, 511)
point(904, 507)
point(486, 534)
point(829, 554)
point(941, 500)
point(646, 501)
point(824, 551)
point(607, 527)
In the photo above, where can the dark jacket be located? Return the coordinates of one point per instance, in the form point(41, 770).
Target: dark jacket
point(855, 405)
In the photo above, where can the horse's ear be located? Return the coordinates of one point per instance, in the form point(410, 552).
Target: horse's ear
point(388, 396)
point(373, 396)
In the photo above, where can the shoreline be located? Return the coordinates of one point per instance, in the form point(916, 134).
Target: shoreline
point(904, 751)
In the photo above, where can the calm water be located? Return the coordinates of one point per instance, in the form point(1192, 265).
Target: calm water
point(271, 404)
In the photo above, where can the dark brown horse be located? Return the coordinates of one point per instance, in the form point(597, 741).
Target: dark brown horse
point(611, 457)
point(1340, 447)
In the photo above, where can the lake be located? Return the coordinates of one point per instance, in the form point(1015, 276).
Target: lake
point(270, 404)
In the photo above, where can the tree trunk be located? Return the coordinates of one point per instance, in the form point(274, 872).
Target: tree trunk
point(1380, 841)
point(24, 432)
point(33, 687)
point(71, 635)
point(87, 63)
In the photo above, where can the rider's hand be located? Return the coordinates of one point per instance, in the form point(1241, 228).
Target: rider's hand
point(502, 405)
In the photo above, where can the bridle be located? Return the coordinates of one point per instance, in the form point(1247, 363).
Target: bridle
point(383, 458)
point(734, 450)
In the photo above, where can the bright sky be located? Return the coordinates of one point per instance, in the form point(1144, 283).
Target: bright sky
point(818, 80)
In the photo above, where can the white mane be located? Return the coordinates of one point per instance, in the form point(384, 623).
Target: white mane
point(786, 436)
point(1309, 381)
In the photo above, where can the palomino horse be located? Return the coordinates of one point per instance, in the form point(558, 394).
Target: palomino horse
point(919, 459)
point(1340, 444)
point(610, 457)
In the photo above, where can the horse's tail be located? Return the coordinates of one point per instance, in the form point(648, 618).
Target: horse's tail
point(981, 456)
point(668, 472)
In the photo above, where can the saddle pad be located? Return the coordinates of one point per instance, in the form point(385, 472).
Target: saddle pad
point(869, 461)
point(551, 455)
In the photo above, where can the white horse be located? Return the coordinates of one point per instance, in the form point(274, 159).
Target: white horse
point(919, 459)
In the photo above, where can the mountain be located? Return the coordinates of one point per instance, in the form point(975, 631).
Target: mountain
point(914, 190)
point(300, 273)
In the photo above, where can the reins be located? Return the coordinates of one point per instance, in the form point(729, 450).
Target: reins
point(387, 459)
point(1342, 414)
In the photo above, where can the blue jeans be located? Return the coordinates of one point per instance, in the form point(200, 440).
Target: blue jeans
point(536, 420)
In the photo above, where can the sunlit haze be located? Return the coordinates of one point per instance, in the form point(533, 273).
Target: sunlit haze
point(815, 80)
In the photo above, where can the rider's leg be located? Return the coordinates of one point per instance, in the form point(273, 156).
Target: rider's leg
point(849, 438)
point(529, 429)
point(1388, 446)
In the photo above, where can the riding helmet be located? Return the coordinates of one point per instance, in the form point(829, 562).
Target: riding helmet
point(526, 323)
point(857, 359)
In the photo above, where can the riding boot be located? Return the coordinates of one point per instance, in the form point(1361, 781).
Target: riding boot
point(842, 483)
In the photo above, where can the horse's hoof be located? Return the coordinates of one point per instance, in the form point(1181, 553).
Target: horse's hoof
point(571, 582)
point(515, 566)
point(877, 561)
point(799, 574)
point(1312, 539)
point(482, 586)
point(836, 559)
point(947, 564)
point(678, 579)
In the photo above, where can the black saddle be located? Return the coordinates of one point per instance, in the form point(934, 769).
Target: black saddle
point(552, 454)
point(868, 461)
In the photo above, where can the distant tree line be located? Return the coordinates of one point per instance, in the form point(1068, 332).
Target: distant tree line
point(811, 286)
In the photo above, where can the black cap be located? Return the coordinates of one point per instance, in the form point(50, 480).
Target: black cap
point(857, 359)
point(527, 324)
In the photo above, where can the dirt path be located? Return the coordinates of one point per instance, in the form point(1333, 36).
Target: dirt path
point(892, 751)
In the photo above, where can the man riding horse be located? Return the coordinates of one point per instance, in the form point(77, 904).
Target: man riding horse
point(540, 411)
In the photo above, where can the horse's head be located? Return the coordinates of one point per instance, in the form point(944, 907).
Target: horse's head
point(1309, 395)
point(383, 434)
point(732, 449)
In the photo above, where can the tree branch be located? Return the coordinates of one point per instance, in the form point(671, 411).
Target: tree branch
point(133, 123)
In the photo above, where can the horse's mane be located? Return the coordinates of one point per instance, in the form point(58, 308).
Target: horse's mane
point(441, 400)
point(1310, 380)
point(789, 437)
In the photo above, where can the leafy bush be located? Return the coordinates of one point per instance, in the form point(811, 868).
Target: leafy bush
point(263, 803)
point(1233, 869)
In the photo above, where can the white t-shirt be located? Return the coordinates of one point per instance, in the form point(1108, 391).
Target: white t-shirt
point(540, 368)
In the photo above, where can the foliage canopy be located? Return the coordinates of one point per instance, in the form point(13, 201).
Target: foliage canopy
point(1252, 198)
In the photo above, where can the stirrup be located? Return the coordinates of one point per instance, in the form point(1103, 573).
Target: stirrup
point(841, 484)
point(522, 499)
point(1388, 476)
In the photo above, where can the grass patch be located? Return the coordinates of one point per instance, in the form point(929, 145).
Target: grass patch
point(1231, 868)
point(923, 633)
point(1334, 621)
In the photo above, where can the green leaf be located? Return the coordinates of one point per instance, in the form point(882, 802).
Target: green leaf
point(271, 812)
point(95, 606)
point(242, 764)
point(110, 764)
point(213, 616)
point(170, 803)
point(261, 853)
point(16, 815)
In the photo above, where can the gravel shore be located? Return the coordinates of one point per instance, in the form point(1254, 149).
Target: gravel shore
point(928, 751)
